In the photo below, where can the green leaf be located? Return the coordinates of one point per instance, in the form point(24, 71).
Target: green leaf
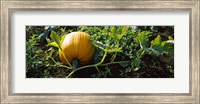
point(119, 36)
point(163, 44)
point(170, 38)
point(62, 39)
point(113, 50)
point(156, 41)
point(157, 45)
point(54, 44)
point(55, 37)
point(169, 48)
point(142, 38)
point(121, 31)
point(135, 63)
point(48, 40)
point(113, 32)
point(157, 49)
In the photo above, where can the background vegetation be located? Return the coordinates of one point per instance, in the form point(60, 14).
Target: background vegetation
point(147, 50)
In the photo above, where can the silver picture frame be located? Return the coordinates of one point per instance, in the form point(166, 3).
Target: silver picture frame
point(8, 6)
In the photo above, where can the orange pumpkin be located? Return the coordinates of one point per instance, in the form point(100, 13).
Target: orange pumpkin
point(77, 45)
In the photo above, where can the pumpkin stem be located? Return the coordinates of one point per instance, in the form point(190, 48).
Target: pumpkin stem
point(75, 63)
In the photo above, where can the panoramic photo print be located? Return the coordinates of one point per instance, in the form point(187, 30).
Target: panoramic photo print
point(99, 51)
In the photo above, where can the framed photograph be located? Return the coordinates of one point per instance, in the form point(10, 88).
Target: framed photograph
point(98, 51)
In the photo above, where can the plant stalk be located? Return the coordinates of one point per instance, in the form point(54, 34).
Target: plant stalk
point(60, 65)
point(75, 63)
point(94, 65)
point(65, 58)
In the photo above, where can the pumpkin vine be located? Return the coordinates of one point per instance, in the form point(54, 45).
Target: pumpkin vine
point(58, 43)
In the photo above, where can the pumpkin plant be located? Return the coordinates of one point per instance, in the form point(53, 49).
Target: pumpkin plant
point(76, 47)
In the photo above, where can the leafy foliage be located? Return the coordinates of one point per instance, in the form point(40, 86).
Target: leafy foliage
point(121, 51)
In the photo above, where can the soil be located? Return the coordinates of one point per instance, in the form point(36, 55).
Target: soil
point(152, 67)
